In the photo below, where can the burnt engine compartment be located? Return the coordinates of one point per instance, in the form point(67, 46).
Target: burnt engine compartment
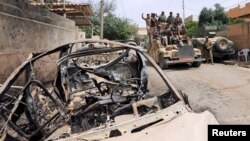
point(93, 86)
point(95, 95)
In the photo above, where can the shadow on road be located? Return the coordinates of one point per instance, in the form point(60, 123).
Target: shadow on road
point(179, 67)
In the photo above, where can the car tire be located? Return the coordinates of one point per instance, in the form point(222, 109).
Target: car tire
point(163, 63)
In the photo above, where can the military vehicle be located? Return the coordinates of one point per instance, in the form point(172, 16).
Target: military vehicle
point(180, 51)
point(222, 47)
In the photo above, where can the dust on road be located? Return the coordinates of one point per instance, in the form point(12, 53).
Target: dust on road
point(222, 89)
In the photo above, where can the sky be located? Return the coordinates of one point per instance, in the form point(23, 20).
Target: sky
point(132, 9)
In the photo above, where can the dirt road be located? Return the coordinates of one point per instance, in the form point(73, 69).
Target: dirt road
point(222, 89)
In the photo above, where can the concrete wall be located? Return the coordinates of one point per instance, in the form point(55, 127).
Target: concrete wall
point(25, 29)
point(240, 35)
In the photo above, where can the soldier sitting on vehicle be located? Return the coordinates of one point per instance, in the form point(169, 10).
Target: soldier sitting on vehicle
point(164, 36)
point(208, 50)
point(183, 30)
point(178, 21)
point(175, 30)
point(175, 39)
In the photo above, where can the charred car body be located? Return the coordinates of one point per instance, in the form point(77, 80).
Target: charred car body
point(101, 90)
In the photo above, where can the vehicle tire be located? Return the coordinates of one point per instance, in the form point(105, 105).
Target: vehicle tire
point(163, 63)
point(221, 44)
point(196, 64)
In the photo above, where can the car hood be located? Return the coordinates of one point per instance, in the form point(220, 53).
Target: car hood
point(190, 126)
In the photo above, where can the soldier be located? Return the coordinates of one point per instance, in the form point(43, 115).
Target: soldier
point(147, 19)
point(154, 20)
point(153, 24)
point(208, 50)
point(183, 31)
point(165, 35)
point(178, 21)
point(170, 19)
point(162, 18)
point(175, 30)
point(148, 24)
point(154, 49)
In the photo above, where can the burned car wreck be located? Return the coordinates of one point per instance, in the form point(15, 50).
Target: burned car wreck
point(102, 90)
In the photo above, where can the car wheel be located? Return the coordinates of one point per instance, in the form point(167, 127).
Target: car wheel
point(163, 63)
point(221, 44)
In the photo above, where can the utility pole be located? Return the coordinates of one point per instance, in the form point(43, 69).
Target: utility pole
point(101, 18)
point(183, 8)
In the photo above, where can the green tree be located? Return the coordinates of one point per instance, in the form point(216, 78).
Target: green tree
point(220, 16)
point(115, 28)
point(235, 21)
point(191, 28)
point(216, 17)
point(206, 17)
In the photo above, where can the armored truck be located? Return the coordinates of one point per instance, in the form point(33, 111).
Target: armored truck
point(223, 48)
point(173, 47)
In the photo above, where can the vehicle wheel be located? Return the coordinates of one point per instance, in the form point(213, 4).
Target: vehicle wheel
point(221, 44)
point(196, 64)
point(163, 63)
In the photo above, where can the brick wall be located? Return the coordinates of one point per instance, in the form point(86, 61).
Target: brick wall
point(240, 35)
point(239, 12)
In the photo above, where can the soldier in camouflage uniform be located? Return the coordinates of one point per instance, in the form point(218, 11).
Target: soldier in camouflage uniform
point(148, 24)
point(162, 18)
point(147, 19)
point(154, 49)
point(154, 21)
point(178, 21)
point(208, 50)
point(170, 19)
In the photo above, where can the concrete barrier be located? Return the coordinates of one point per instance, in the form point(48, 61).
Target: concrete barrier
point(25, 29)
